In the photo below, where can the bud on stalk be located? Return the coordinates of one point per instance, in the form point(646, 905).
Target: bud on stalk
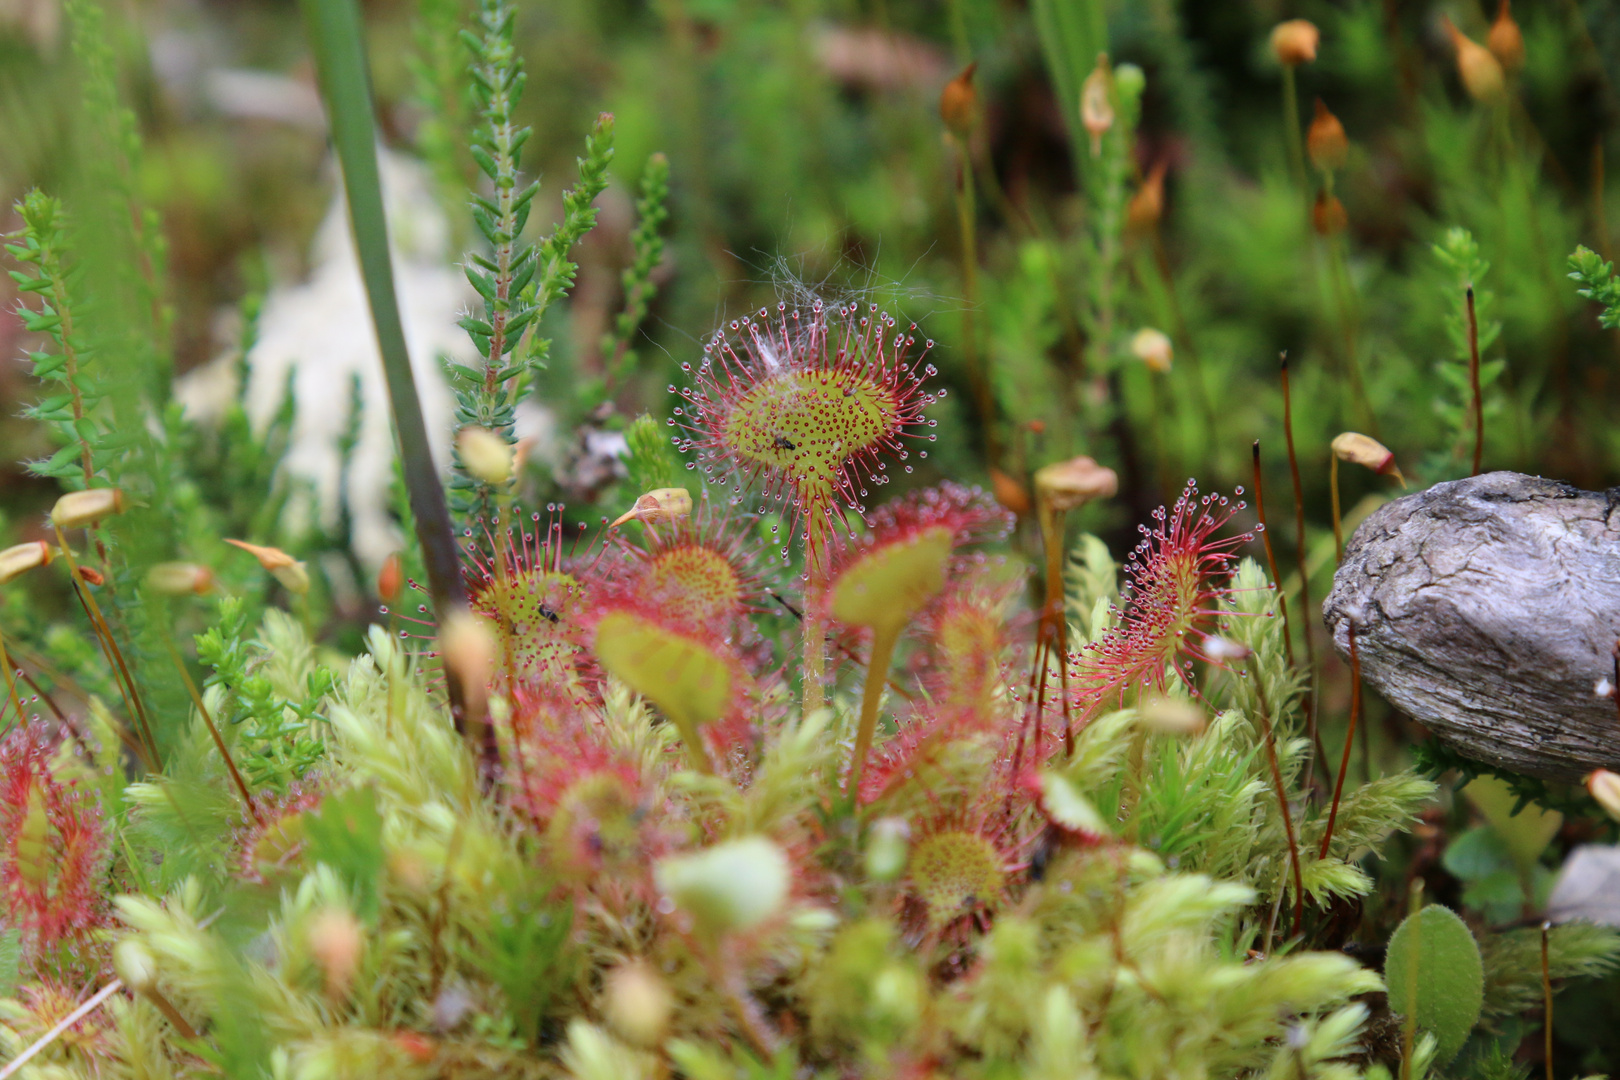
point(22, 558)
point(80, 509)
point(1294, 42)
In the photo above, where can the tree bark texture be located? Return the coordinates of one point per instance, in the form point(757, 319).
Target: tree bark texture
point(1488, 609)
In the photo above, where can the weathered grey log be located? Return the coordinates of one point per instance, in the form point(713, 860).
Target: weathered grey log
point(1488, 609)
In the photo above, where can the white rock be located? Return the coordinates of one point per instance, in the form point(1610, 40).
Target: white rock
point(320, 330)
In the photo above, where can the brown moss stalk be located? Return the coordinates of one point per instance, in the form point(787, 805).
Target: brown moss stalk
point(1546, 1001)
point(115, 656)
point(1349, 739)
point(213, 730)
point(1282, 800)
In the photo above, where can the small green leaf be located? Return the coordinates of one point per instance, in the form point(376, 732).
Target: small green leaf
point(1434, 956)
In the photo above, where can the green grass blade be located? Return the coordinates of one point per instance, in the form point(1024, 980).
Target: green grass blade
point(335, 34)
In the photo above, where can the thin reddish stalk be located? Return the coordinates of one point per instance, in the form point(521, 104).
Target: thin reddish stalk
point(1282, 802)
point(1317, 749)
point(1349, 739)
point(1546, 1001)
point(219, 743)
point(1473, 383)
point(115, 656)
point(56, 710)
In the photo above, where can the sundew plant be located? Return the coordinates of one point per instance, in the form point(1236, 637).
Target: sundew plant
point(753, 690)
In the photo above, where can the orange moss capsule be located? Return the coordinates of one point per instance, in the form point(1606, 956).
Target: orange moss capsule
point(959, 101)
point(1505, 41)
point(1147, 205)
point(1294, 42)
point(291, 572)
point(1328, 216)
point(1481, 73)
point(1368, 452)
point(179, 578)
point(1067, 485)
point(1326, 141)
point(1010, 493)
point(391, 578)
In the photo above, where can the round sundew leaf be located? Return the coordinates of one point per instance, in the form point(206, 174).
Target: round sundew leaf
point(596, 820)
point(888, 584)
point(696, 582)
point(531, 613)
point(691, 682)
point(808, 422)
point(955, 871)
point(731, 886)
point(1450, 976)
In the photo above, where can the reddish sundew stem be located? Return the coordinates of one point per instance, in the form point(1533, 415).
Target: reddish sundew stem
point(883, 640)
point(1349, 739)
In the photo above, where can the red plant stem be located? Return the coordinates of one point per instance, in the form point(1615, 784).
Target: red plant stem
point(109, 647)
point(219, 743)
point(1282, 801)
point(1349, 739)
point(1473, 383)
point(1317, 749)
point(1546, 1001)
